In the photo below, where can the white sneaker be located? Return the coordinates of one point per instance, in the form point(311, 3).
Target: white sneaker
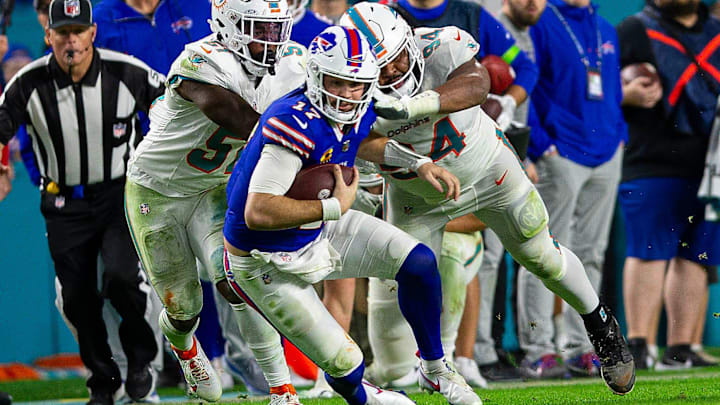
point(468, 368)
point(284, 399)
point(200, 375)
point(378, 396)
point(321, 389)
point(450, 384)
point(226, 380)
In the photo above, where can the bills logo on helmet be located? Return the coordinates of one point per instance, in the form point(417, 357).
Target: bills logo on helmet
point(323, 42)
point(72, 8)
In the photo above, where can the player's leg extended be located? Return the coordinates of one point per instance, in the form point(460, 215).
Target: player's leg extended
point(390, 336)
point(206, 240)
point(157, 226)
point(370, 247)
point(519, 218)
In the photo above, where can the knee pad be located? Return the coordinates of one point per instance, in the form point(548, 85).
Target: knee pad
point(528, 215)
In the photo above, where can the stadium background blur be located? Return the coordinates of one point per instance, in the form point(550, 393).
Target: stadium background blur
point(30, 324)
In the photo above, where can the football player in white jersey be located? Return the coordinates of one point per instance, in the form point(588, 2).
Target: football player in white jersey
point(433, 89)
point(175, 194)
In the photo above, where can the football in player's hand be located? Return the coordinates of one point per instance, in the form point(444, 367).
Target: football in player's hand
point(492, 107)
point(501, 74)
point(317, 182)
point(630, 72)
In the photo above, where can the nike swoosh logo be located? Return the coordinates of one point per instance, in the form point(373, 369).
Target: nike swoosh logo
point(303, 125)
point(500, 181)
point(457, 38)
point(203, 48)
point(434, 385)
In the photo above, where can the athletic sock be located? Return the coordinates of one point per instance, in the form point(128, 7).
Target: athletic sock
point(598, 319)
point(350, 386)
point(420, 299)
point(180, 340)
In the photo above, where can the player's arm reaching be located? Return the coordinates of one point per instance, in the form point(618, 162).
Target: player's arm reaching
point(222, 106)
point(379, 149)
point(467, 85)
point(267, 206)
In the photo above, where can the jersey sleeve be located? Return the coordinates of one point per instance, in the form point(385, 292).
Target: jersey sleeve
point(444, 50)
point(202, 62)
point(287, 131)
point(290, 74)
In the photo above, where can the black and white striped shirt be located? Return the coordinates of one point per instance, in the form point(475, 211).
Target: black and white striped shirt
point(82, 133)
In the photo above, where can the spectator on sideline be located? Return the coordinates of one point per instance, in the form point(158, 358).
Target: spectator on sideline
point(670, 247)
point(83, 185)
point(516, 16)
point(577, 147)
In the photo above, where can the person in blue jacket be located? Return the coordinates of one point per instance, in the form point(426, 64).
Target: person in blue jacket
point(493, 38)
point(577, 143)
point(306, 23)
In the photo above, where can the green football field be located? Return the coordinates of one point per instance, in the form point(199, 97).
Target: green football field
point(696, 386)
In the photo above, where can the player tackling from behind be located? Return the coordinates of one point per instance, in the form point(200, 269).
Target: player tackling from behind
point(278, 246)
point(435, 88)
point(175, 194)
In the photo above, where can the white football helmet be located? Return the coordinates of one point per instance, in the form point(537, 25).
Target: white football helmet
point(389, 35)
point(341, 53)
point(241, 22)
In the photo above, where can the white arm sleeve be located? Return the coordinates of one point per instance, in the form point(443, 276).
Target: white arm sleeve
point(275, 171)
point(398, 155)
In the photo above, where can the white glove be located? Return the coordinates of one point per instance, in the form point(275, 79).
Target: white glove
point(405, 108)
point(508, 110)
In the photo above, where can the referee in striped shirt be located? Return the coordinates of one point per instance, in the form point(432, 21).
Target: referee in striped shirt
point(80, 105)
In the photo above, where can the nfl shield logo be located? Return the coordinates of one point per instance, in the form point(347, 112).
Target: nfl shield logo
point(266, 279)
point(72, 8)
point(119, 130)
point(59, 202)
point(144, 208)
point(346, 146)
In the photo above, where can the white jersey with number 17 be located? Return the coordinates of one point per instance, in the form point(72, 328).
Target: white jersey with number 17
point(185, 153)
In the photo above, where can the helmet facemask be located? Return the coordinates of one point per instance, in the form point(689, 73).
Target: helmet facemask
point(242, 29)
point(409, 83)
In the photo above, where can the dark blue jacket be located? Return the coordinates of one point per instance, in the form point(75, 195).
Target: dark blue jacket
point(585, 131)
point(487, 31)
point(309, 26)
point(157, 41)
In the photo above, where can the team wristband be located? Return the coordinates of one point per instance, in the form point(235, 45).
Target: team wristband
point(331, 209)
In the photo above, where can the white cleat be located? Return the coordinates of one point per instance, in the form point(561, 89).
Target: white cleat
point(379, 396)
point(202, 380)
point(284, 399)
point(450, 384)
point(468, 368)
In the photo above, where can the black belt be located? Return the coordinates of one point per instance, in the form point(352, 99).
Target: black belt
point(80, 191)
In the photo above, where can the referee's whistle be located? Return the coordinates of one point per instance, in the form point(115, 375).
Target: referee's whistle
point(52, 188)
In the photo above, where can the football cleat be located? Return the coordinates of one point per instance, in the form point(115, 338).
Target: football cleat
point(617, 367)
point(284, 399)
point(450, 384)
point(202, 380)
point(584, 365)
point(469, 370)
point(379, 396)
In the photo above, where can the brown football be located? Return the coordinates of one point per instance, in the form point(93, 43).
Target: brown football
point(501, 77)
point(630, 72)
point(492, 107)
point(317, 182)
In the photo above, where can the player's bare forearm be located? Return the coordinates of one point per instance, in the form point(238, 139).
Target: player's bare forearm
point(221, 106)
point(270, 212)
point(372, 148)
point(518, 93)
point(467, 86)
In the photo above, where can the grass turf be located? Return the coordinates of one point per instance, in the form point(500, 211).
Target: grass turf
point(694, 386)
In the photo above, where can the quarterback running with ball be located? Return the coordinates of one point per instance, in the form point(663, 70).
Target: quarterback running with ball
point(433, 88)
